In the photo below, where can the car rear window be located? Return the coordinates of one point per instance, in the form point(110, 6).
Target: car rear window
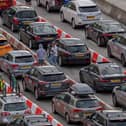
point(121, 122)
point(3, 42)
point(89, 103)
point(88, 9)
point(54, 77)
point(15, 106)
point(26, 14)
point(24, 59)
point(77, 48)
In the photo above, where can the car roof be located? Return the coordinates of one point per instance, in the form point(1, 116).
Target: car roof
point(103, 21)
point(16, 53)
point(22, 8)
point(71, 41)
point(38, 23)
point(84, 3)
point(50, 69)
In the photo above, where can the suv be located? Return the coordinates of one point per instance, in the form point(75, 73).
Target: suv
point(73, 51)
point(117, 48)
point(78, 102)
point(106, 118)
point(50, 4)
point(80, 12)
point(12, 106)
point(19, 16)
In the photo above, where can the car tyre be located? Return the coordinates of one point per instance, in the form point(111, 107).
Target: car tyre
point(24, 85)
point(109, 52)
point(53, 109)
point(60, 61)
point(99, 41)
point(62, 17)
point(67, 117)
point(114, 100)
point(37, 97)
point(30, 44)
point(73, 24)
point(12, 28)
point(123, 60)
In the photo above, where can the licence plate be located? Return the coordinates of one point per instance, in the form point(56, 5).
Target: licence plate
point(90, 17)
point(17, 116)
point(26, 67)
point(49, 38)
point(87, 114)
point(55, 85)
point(27, 22)
point(115, 81)
point(79, 54)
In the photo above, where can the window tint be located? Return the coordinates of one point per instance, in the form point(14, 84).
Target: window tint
point(24, 59)
point(60, 96)
point(37, 74)
point(3, 42)
point(73, 7)
point(11, 11)
point(121, 122)
point(9, 57)
point(123, 87)
point(15, 106)
point(67, 98)
point(88, 9)
point(122, 41)
point(100, 120)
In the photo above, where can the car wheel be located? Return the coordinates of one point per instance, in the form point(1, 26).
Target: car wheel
point(73, 24)
point(47, 7)
point(109, 52)
point(114, 100)
point(24, 85)
point(62, 17)
point(123, 60)
point(53, 108)
point(99, 41)
point(60, 61)
point(36, 94)
point(12, 28)
point(19, 36)
point(38, 3)
point(67, 117)
point(30, 44)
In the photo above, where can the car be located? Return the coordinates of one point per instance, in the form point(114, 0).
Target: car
point(50, 4)
point(116, 47)
point(102, 76)
point(106, 118)
point(17, 61)
point(36, 33)
point(31, 120)
point(103, 30)
point(46, 81)
point(118, 96)
point(80, 12)
point(12, 106)
point(5, 47)
point(19, 16)
point(73, 51)
point(78, 102)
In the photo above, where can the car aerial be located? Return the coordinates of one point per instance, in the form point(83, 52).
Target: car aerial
point(19, 16)
point(119, 95)
point(5, 47)
point(116, 47)
point(73, 51)
point(78, 102)
point(106, 118)
point(17, 61)
point(12, 106)
point(103, 75)
point(46, 81)
point(103, 30)
point(31, 120)
point(80, 12)
point(38, 32)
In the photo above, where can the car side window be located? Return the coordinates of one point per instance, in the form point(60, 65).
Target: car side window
point(9, 57)
point(100, 119)
point(123, 88)
point(60, 96)
point(11, 12)
point(36, 74)
point(123, 41)
point(67, 98)
point(73, 7)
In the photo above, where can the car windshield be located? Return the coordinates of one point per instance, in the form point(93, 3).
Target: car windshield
point(24, 59)
point(44, 29)
point(117, 122)
point(77, 48)
point(111, 69)
point(20, 106)
point(113, 27)
point(89, 103)
point(3, 42)
point(54, 77)
point(26, 14)
point(88, 9)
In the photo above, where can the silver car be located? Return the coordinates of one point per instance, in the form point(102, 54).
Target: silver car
point(80, 12)
point(17, 61)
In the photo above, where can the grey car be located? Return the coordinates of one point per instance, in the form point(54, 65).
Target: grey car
point(17, 61)
point(119, 95)
point(117, 48)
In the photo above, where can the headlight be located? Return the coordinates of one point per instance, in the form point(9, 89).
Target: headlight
point(76, 116)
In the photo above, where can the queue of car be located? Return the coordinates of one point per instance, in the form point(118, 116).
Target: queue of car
point(74, 101)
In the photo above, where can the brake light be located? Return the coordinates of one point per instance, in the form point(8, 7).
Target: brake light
point(102, 80)
point(99, 109)
point(38, 19)
point(76, 110)
point(14, 66)
point(67, 54)
point(43, 82)
point(15, 21)
point(5, 113)
point(28, 111)
point(35, 63)
point(106, 35)
point(37, 38)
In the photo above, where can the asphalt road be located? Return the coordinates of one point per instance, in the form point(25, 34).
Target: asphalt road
point(72, 71)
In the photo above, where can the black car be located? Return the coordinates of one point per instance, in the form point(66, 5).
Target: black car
point(31, 120)
point(38, 32)
point(103, 30)
point(46, 81)
point(102, 76)
point(19, 16)
point(106, 118)
point(73, 51)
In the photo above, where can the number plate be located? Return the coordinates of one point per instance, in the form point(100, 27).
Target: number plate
point(90, 17)
point(26, 67)
point(87, 114)
point(49, 38)
point(115, 81)
point(55, 85)
point(79, 54)
point(27, 22)
point(16, 116)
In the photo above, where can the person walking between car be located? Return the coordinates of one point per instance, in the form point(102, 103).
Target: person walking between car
point(53, 53)
point(41, 54)
point(2, 83)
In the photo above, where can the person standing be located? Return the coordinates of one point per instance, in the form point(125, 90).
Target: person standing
point(41, 54)
point(28, 2)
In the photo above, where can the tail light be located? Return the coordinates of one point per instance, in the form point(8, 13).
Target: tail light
point(67, 54)
point(28, 111)
point(75, 110)
point(14, 66)
point(5, 114)
point(99, 109)
point(124, 79)
point(35, 63)
point(102, 80)
point(38, 19)
point(106, 35)
point(37, 38)
point(15, 21)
